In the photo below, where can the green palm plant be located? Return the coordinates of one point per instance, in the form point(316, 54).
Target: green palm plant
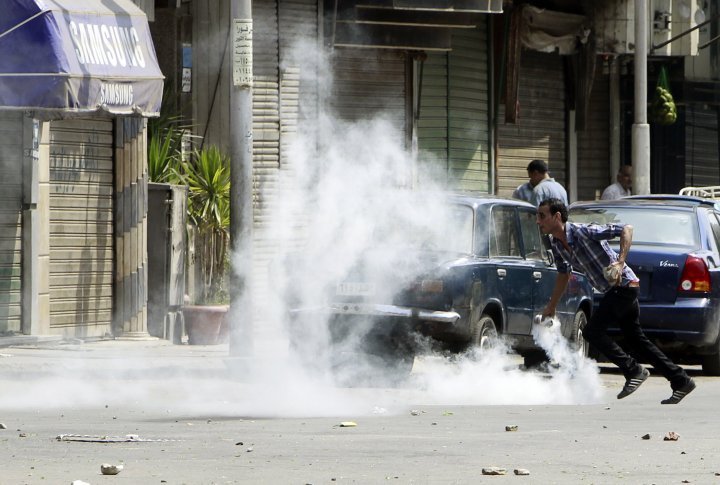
point(207, 175)
point(164, 153)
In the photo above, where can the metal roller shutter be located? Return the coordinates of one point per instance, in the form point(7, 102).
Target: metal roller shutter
point(540, 130)
point(453, 133)
point(432, 123)
point(468, 136)
point(81, 226)
point(593, 144)
point(368, 83)
point(11, 161)
point(701, 145)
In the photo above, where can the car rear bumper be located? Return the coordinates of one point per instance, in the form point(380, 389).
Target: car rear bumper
point(375, 311)
point(691, 321)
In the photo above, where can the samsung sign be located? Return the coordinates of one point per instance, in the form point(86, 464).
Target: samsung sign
point(107, 45)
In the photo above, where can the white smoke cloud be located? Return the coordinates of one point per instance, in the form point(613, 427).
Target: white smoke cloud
point(351, 192)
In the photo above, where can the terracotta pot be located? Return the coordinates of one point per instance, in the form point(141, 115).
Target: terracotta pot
point(206, 324)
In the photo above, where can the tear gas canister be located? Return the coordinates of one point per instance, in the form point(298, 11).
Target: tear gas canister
point(543, 321)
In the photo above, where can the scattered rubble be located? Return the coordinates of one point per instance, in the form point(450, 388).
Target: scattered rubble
point(671, 436)
point(107, 469)
point(521, 471)
point(2, 426)
point(511, 427)
point(108, 439)
point(79, 482)
point(494, 470)
point(646, 436)
point(348, 424)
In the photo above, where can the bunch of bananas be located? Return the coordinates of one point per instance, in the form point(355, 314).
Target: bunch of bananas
point(662, 109)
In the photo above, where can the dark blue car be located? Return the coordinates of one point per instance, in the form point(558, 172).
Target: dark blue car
point(675, 253)
point(487, 276)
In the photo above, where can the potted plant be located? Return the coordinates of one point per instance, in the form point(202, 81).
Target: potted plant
point(207, 175)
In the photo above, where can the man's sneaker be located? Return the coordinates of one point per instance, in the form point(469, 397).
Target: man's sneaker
point(633, 383)
point(679, 394)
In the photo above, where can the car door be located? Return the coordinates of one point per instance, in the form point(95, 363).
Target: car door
point(513, 272)
point(543, 274)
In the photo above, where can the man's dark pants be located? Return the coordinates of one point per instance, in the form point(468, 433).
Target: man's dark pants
point(619, 307)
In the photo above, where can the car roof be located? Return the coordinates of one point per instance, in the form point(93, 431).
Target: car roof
point(655, 200)
point(478, 200)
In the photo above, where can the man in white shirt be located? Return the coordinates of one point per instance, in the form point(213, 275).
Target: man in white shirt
point(622, 187)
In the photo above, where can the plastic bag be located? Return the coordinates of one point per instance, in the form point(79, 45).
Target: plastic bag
point(662, 109)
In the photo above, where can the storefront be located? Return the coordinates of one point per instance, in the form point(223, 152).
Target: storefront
point(77, 80)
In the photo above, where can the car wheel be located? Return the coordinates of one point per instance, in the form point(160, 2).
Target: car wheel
point(484, 333)
point(577, 341)
point(711, 362)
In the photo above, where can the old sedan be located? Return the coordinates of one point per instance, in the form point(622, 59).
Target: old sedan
point(487, 277)
point(675, 254)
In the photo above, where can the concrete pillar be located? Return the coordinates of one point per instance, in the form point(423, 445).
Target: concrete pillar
point(131, 179)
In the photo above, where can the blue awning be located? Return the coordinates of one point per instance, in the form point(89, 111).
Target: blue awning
point(78, 56)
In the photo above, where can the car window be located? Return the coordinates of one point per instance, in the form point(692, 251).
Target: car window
point(715, 226)
point(532, 242)
point(504, 240)
point(650, 226)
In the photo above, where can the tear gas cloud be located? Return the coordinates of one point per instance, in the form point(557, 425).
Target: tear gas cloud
point(351, 194)
point(354, 196)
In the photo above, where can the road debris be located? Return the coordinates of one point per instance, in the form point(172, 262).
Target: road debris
point(671, 436)
point(348, 424)
point(646, 436)
point(108, 469)
point(511, 427)
point(494, 470)
point(521, 471)
point(79, 482)
point(108, 439)
point(2, 426)
point(448, 413)
point(414, 412)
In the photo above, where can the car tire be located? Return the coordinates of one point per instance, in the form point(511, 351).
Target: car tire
point(577, 341)
point(711, 362)
point(483, 334)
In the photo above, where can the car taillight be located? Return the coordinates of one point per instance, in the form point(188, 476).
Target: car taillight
point(695, 275)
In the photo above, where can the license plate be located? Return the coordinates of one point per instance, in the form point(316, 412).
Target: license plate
point(353, 288)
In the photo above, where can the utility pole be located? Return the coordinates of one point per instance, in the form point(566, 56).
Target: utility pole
point(241, 207)
point(640, 128)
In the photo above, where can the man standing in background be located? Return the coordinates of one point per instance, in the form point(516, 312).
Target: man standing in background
point(540, 186)
point(621, 188)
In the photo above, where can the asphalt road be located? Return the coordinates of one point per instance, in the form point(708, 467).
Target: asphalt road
point(191, 421)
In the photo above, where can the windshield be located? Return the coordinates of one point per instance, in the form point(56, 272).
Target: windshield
point(650, 226)
point(445, 227)
point(451, 232)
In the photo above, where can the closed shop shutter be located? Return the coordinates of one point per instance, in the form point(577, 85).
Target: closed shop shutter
point(593, 144)
point(81, 226)
point(540, 129)
point(468, 135)
point(453, 134)
point(11, 161)
point(369, 83)
point(702, 166)
point(432, 123)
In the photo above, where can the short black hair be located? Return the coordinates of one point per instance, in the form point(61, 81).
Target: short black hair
point(555, 206)
point(537, 166)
